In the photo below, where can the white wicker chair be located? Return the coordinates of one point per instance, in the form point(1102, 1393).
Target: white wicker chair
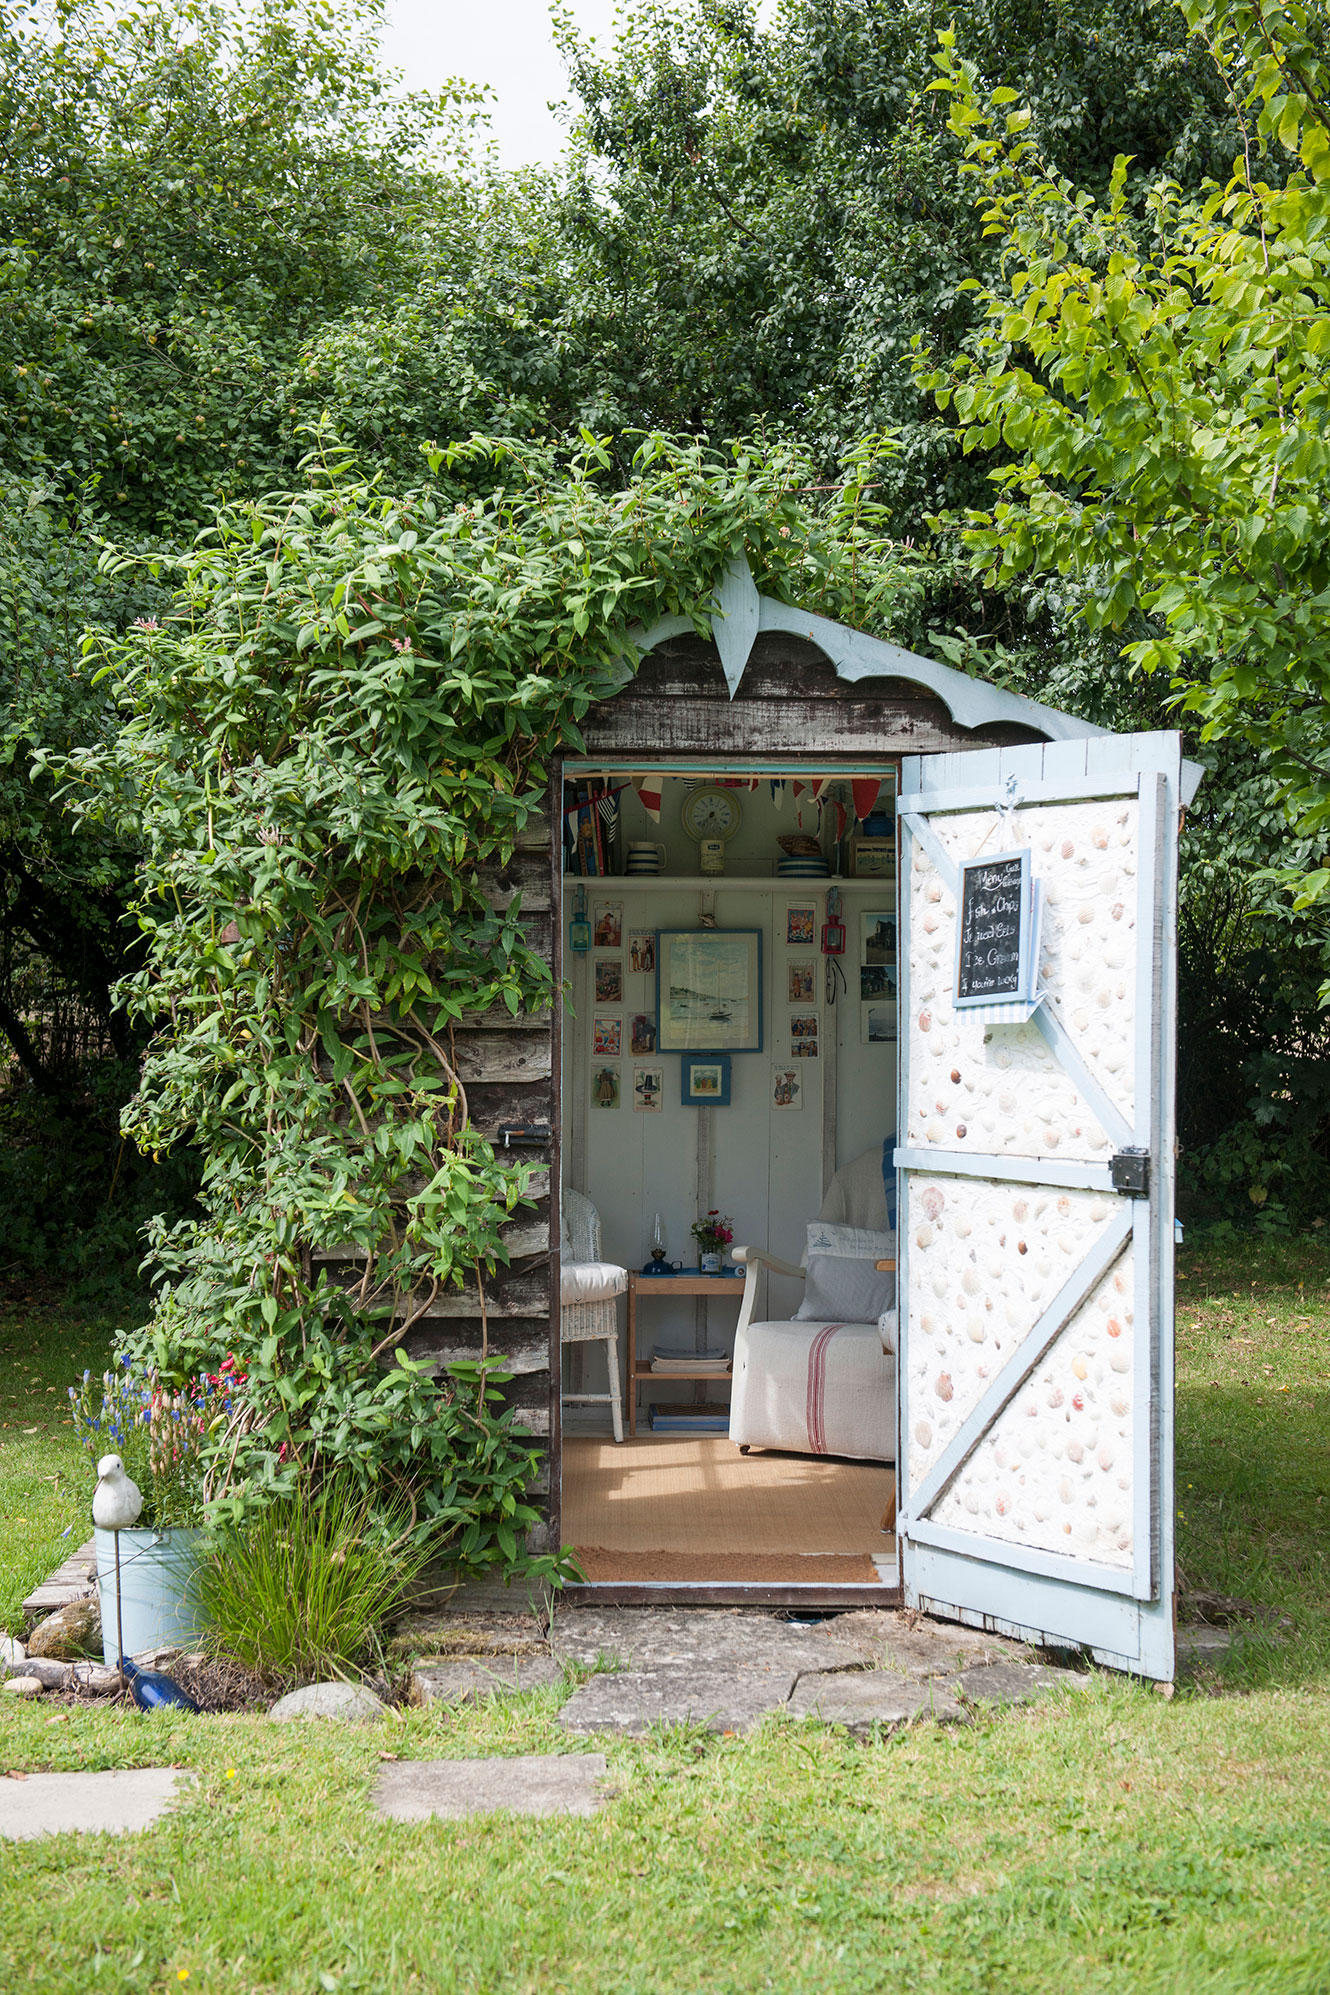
point(588, 1290)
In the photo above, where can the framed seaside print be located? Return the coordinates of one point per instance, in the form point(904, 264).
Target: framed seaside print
point(706, 1080)
point(709, 990)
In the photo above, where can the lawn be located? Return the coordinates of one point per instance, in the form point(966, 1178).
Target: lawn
point(1110, 1842)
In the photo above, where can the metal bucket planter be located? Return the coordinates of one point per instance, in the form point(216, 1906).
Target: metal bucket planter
point(158, 1601)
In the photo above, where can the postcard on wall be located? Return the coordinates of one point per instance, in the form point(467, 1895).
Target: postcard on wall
point(787, 1088)
point(801, 926)
point(643, 1033)
point(877, 1021)
point(879, 938)
point(803, 1035)
point(605, 1087)
point(607, 924)
point(606, 1037)
point(709, 990)
point(609, 980)
point(648, 1089)
point(878, 980)
point(642, 953)
point(802, 978)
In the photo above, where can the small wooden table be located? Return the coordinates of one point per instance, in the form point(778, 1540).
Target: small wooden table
point(690, 1282)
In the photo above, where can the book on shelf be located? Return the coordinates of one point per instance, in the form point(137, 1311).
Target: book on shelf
point(689, 1419)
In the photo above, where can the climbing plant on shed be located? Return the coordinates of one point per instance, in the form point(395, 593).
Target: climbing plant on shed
point(347, 714)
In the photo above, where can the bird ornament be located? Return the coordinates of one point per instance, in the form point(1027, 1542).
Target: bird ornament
point(117, 1502)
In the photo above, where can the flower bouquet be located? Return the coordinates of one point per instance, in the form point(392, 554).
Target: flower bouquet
point(713, 1235)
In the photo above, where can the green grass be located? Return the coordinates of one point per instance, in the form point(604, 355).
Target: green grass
point(1111, 1842)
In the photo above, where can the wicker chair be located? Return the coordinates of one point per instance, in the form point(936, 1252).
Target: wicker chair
point(588, 1290)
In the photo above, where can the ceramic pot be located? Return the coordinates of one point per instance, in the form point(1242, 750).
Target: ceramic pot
point(709, 1263)
point(158, 1605)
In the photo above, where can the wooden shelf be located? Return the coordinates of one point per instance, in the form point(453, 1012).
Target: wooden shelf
point(644, 1371)
point(709, 882)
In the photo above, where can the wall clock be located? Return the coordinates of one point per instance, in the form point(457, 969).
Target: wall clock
point(709, 813)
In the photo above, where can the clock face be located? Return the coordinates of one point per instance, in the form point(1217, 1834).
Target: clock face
point(710, 814)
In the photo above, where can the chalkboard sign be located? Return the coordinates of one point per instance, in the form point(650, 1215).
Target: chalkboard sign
point(994, 959)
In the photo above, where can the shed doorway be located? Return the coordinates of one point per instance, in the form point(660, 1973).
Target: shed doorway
point(729, 938)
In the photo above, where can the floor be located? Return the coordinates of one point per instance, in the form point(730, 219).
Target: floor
point(694, 1508)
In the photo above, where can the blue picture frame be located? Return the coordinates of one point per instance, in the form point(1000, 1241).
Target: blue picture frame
point(705, 1080)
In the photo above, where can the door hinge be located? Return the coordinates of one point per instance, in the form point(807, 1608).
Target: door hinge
point(1130, 1172)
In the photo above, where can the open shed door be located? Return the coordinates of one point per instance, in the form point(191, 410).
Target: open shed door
point(1035, 1451)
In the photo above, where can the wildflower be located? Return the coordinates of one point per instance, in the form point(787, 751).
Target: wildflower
point(151, 623)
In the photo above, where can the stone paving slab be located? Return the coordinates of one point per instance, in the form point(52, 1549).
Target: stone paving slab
point(464, 1682)
point(444, 1634)
point(118, 1803)
point(920, 1648)
point(534, 1784)
point(1016, 1682)
point(723, 1700)
point(867, 1697)
point(698, 1638)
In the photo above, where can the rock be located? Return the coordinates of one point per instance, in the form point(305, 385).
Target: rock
point(530, 1784)
point(1221, 1610)
point(864, 1698)
point(723, 1700)
point(1017, 1683)
point(50, 1674)
point(921, 1648)
point(349, 1702)
point(1202, 1644)
point(74, 1631)
point(23, 1686)
point(95, 1677)
point(463, 1682)
point(11, 1651)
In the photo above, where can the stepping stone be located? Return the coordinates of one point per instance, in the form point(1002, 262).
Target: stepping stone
point(1201, 1644)
point(464, 1682)
point(1016, 1682)
point(919, 1648)
point(110, 1804)
point(534, 1784)
point(863, 1698)
point(701, 1638)
point(349, 1702)
point(442, 1634)
point(724, 1700)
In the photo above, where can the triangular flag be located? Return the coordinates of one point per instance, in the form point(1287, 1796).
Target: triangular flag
point(650, 790)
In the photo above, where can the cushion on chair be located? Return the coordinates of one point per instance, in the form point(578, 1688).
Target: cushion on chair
point(814, 1388)
point(842, 1283)
point(591, 1281)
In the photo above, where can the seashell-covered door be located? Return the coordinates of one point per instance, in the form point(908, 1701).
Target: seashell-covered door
point(1036, 1204)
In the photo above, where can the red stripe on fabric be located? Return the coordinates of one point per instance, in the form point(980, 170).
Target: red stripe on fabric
point(815, 1411)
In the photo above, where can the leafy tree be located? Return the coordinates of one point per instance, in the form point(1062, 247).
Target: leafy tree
point(1152, 368)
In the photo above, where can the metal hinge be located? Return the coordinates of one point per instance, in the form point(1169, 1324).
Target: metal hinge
point(1130, 1172)
point(524, 1132)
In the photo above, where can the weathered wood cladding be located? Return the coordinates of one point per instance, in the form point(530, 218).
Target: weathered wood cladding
point(789, 702)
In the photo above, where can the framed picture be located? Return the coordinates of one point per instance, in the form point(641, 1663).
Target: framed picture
point(877, 980)
point(877, 938)
point(709, 990)
point(872, 858)
point(648, 1089)
point(605, 1087)
point(642, 1033)
point(801, 926)
point(877, 1021)
point(802, 985)
point(803, 1035)
point(706, 1080)
point(642, 952)
point(787, 1088)
point(606, 1037)
point(609, 980)
point(607, 924)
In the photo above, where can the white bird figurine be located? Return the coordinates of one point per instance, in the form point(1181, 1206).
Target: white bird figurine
point(116, 1501)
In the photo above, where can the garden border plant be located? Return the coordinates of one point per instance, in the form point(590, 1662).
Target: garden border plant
point(348, 712)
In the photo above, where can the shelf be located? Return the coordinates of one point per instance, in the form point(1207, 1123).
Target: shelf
point(711, 882)
point(663, 1378)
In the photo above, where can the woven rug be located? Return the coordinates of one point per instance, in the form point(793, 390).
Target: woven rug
point(725, 1568)
point(696, 1494)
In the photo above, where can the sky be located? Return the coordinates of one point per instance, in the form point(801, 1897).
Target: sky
point(504, 43)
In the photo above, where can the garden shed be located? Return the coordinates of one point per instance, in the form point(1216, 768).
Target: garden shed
point(754, 877)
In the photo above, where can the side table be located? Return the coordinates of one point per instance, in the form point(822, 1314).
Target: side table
point(690, 1282)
